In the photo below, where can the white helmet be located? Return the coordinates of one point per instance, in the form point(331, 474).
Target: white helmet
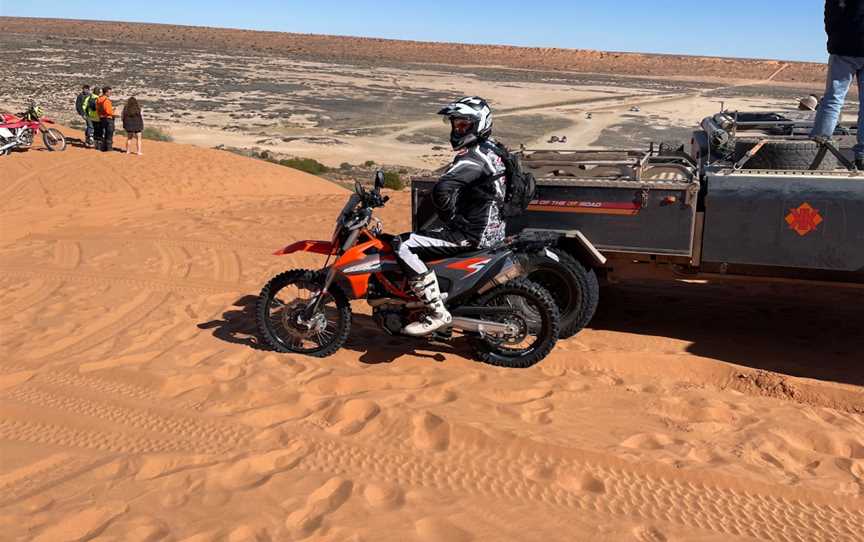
point(809, 103)
point(478, 115)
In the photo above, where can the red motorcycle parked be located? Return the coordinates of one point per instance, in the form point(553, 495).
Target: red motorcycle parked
point(18, 131)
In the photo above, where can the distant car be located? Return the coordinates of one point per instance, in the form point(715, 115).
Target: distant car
point(553, 139)
point(635, 109)
point(588, 116)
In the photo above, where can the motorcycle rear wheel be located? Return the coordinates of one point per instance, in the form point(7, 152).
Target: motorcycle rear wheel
point(538, 316)
point(281, 318)
point(54, 140)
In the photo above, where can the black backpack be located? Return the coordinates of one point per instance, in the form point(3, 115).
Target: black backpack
point(521, 185)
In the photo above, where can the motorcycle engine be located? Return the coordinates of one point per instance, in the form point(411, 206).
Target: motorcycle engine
point(389, 318)
point(27, 137)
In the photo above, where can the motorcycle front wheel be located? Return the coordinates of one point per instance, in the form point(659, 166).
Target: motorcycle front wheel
point(54, 140)
point(284, 319)
point(536, 316)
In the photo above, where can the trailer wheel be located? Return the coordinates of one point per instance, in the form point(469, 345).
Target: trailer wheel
point(574, 288)
point(784, 155)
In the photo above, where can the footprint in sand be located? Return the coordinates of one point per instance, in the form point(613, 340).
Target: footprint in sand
point(380, 497)
point(84, 525)
point(516, 397)
point(324, 500)
point(581, 482)
point(430, 432)
point(352, 417)
point(255, 470)
point(440, 530)
point(648, 534)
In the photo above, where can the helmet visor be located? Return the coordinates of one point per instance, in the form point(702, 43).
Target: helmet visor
point(461, 125)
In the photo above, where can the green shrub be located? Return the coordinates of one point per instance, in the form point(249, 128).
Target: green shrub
point(393, 180)
point(156, 134)
point(369, 163)
point(308, 165)
point(344, 165)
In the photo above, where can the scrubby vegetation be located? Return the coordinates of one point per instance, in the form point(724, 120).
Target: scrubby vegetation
point(393, 180)
point(309, 165)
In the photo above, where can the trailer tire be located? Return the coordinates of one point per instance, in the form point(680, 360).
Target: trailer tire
point(784, 155)
point(575, 288)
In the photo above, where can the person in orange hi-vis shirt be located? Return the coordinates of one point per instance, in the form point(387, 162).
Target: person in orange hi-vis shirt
point(106, 116)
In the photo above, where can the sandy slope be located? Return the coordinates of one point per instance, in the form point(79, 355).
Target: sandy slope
point(136, 403)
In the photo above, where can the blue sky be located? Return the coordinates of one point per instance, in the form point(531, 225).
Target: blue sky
point(782, 29)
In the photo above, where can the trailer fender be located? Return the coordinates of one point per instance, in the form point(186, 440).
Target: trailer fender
point(595, 257)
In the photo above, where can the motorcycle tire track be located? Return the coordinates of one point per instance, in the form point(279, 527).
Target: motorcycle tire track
point(682, 500)
point(210, 437)
point(40, 476)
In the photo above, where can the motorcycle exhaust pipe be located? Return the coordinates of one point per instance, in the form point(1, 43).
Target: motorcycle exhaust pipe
point(8, 146)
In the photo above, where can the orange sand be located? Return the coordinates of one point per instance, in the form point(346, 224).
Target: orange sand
point(136, 403)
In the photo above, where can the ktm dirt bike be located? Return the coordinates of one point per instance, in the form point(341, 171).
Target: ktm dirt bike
point(18, 131)
point(511, 321)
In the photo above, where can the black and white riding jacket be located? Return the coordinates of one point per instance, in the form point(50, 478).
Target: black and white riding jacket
point(469, 195)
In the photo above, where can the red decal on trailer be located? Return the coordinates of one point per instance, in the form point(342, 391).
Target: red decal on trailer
point(804, 219)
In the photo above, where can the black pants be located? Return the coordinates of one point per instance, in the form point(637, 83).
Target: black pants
point(413, 248)
point(108, 135)
point(98, 132)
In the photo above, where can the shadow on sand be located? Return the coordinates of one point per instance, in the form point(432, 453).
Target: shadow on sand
point(238, 326)
point(799, 330)
point(810, 331)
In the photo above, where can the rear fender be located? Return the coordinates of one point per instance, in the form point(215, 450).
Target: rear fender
point(317, 247)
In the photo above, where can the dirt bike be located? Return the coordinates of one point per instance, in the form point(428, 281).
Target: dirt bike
point(510, 321)
point(18, 131)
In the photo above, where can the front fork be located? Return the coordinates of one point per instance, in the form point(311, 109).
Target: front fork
point(312, 309)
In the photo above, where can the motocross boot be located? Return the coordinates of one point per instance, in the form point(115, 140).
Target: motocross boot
point(425, 287)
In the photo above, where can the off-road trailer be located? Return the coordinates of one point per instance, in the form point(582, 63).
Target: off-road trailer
point(705, 212)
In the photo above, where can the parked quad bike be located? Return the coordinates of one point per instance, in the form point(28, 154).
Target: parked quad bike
point(510, 320)
point(18, 131)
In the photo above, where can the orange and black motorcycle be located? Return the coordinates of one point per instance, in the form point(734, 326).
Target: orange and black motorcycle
point(510, 320)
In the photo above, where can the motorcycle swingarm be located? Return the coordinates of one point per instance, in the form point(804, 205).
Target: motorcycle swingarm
point(484, 327)
point(481, 312)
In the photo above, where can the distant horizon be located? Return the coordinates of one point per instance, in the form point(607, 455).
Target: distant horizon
point(407, 40)
point(663, 28)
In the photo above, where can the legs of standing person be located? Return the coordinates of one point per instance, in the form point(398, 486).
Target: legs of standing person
point(97, 134)
point(108, 142)
point(841, 71)
point(138, 138)
point(129, 136)
point(88, 130)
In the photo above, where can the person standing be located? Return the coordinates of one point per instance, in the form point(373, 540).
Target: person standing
point(80, 102)
point(91, 108)
point(106, 117)
point(133, 123)
point(844, 24)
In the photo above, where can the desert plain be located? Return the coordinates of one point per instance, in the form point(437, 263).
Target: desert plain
point(137, 402)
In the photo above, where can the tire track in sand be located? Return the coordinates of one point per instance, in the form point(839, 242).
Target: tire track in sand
point(208, 436)
point(106, 328)
point(683, 499)
point(134, 282)
point(37, 477)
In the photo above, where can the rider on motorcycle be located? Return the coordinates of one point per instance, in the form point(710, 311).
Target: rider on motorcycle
point(468, 199)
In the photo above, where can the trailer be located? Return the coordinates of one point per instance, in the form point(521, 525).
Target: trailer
point(752, 196)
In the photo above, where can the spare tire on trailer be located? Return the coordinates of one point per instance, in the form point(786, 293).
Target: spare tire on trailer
point(799, 154)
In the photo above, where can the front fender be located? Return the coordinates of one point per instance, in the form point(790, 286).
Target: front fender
point(317, 247)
